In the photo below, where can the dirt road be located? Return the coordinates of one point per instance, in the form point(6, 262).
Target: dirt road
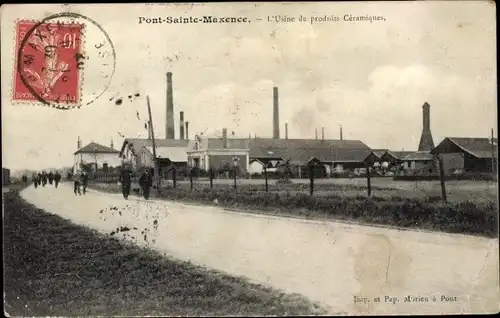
point(332, 263)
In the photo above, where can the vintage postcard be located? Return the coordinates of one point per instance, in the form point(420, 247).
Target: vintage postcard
point(240, 158)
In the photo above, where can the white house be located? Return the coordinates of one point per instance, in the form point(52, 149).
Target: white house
point(138, 152)
point(97, 155)
point(174, 154)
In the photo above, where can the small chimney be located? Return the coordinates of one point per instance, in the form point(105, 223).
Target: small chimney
point(78, 143)
point(341, 137)
point(187, 130)
point(286, 130)
point(322, 133)
point(181, 125)
point(224, 138)
point(112, 145)
point(276, 114)
point(316, 133)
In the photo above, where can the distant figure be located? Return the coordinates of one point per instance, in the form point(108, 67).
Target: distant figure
point(76, 182)
point(126, 181)
point(44, 178)
point(50, 176)
point(146, 181)
point(25, 178)
point(36, 180)
point(85, 181)
point(57, 178)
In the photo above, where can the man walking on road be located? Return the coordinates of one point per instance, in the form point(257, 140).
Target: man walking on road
point(126, 181)
point(36, 180)
point(85, 181)
point(146, 181)
point(76, 182)
point(57, 178)
point(50, 176)
point(44, 178)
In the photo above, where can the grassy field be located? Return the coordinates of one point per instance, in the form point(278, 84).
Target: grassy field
point(55, 268)
point(477, 191)
point(422, 211)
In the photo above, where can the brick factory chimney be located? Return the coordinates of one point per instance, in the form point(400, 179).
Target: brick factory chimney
point(426, 141)
point(181, 125)
point(170, 128)
point(322, 133)
point(276, 114)
point(224, 138)
point(316, 133)
point(187, 130)
point(286, 130)
point(341, 137)
point(78, 143)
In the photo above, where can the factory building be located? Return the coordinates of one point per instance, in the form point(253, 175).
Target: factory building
point(138, 152)
point(251, 155)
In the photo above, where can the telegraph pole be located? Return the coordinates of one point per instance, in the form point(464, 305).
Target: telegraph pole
point(156, 176)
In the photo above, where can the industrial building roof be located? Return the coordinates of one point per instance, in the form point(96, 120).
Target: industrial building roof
point(137, 144)
point(174, 154)
point(477, 147)
point(96, 148)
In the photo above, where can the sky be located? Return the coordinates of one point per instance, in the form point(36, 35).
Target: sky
point(371, 78)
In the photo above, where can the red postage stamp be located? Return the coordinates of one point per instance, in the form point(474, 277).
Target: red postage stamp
point(48, 64)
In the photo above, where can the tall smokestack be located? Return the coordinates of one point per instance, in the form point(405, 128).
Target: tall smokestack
point(276, 114)
point(187, 130)
point(78, 143)
point(224, 138)
point(341, 137)
point(426, 141)
point(286, 130)
point(316, 133)
point(322, 133)
point(181, 125)
point(170, 129)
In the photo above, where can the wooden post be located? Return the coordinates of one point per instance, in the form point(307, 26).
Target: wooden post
point(368, 179)
point(234, 176)
point(265, 178)
point(211, 176)
point(156, 175)
point(311, 178)
point(174, 177)
point(441, 177)
point(191, 179)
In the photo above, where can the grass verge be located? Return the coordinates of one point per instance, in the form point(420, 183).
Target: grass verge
point(465, 217)
point(55, 268)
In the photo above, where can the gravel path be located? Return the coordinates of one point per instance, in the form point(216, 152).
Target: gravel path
point(326, 261)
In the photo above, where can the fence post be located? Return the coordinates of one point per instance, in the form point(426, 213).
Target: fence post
point(174, 177)
point(211, 177)
point(441, 177)
point(311, 178)
point(265, 177)
point(368, 179)
point(191, 179)
point(234, 176)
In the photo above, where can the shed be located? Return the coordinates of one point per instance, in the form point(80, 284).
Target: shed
point(479, 154)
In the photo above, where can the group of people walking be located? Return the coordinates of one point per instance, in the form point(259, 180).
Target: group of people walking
point(80, 180)
point(43, 178)
point(145, 182)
